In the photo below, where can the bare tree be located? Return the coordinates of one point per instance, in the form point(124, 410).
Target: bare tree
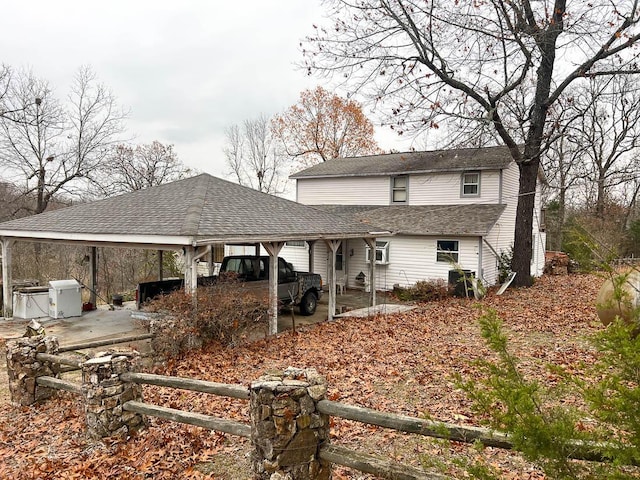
point(47, 149)
point(610, 131)
point(253, 158)
point(130, 168)
point(32, 136)
point(504, 63)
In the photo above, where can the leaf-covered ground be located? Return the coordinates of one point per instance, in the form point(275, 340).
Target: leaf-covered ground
point(402, 363)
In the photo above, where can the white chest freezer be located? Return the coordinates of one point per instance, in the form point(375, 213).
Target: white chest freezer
point(31, 302)
point(65, 299)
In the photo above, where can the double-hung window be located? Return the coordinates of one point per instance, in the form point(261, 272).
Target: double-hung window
point(470, 184)
point(399, 189)
point(447, 251)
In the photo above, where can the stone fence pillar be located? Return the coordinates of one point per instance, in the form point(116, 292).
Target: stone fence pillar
point(23, 368)
point(105, 394)
point(286, 428)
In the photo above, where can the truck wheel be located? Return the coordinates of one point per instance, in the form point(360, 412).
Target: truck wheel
point(308, 303)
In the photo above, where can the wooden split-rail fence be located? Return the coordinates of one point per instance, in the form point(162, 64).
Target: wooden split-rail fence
point(294, 396)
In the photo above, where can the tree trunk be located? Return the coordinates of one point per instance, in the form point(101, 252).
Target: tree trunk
point(600, 198)
point(561, 217)
point(523, 243)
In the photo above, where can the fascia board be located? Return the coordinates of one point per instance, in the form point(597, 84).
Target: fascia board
point(177, 240)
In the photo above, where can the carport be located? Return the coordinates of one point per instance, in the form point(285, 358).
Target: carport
point(190, 215)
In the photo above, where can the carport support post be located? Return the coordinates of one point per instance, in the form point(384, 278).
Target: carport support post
point(333, 249)
point(191, 257)
point(371, 242)
point(93, 275)
point(273, 248)
point(160, 265)
point(7, 290)
point(312, 251)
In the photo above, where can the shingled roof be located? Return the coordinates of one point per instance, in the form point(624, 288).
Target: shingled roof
point(201, 209)
point(486, 158)
point(454, 220)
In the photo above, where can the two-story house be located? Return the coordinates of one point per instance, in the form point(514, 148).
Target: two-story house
point(443, 207)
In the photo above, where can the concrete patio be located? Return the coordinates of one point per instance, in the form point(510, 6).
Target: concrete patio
point(104, 324)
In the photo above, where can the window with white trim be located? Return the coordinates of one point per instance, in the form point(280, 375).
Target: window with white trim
point(382, 252)
point(447, 251)
point(470, 184)
point(399, 189)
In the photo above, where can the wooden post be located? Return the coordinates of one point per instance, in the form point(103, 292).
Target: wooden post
point(160, 266)
point(210, 260)
point(286, 427)
point(333, 248)
point(312, 251)
point(273, 248)
point(7, 282)
point(93, 276)
point(371, 243)
point(189, 254)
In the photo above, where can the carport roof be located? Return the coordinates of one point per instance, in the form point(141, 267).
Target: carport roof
point(199, 210)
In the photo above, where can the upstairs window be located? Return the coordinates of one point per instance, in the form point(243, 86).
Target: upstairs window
point(399, 189)
point(470, 184)
point(447, 251)
point(382, 253)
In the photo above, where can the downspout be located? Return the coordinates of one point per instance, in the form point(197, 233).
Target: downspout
point(493, 250)
point(480, 269)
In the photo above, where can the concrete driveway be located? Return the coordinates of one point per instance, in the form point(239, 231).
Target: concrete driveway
point(104, 324)
point(101, 324)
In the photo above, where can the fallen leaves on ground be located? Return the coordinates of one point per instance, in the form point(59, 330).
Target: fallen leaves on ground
point(400, 363)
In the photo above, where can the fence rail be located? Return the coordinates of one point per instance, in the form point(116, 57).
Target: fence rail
point(329, 453)
point(104, 343)
point(374, 465)
point(220, 389)
point(59, 384)
point(191, 418)
point(404, 423)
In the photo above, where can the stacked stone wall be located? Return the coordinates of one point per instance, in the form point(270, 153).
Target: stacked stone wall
point(105, 394)
point(23, 368)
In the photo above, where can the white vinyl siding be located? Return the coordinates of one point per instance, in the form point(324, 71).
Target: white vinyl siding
point(444, 189)
point(501, 235)
point(298, 256)
point(411, 259)
point(344, 191)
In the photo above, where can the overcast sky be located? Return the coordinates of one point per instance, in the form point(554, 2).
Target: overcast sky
point(186, 69)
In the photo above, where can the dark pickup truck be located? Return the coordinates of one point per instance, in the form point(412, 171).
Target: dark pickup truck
point(294, 288)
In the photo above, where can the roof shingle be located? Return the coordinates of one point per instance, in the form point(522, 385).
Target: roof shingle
point(455, 220)
point(199, 207)
point(486, 158)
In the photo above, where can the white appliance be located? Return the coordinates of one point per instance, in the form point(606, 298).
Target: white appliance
point(65, 299)
point(31, 302)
